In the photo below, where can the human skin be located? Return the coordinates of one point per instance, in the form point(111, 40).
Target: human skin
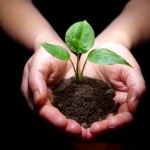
point(129, 29)
point(42, 70)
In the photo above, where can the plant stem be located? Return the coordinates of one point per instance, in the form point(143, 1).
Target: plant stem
point(81, 74)
point(77, 68)
point(79, 77)
point(76, 74)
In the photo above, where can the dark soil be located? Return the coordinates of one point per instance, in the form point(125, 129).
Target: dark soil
point(87, 102)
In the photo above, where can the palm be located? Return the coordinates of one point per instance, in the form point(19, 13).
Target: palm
point(40, 72)
point(129, 88)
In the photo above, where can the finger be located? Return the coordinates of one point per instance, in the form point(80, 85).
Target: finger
point(53, 115)
point(120, 97)
point(73, 128)
point(113, 122)
point(83, 135)
point(89, 136)
point(123, 118)
point(25, 88)
point(134, 86)
point(134, 96)
point(98, 128)
point(120, 120)
point(39, 89)
point(37, 82)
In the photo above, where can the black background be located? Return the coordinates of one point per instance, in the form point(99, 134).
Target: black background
point(19, 127)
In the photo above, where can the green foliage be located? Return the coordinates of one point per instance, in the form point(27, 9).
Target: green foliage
point(80, 39)
point(106, 56)
point(56, 51)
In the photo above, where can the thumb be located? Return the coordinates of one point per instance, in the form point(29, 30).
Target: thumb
point(134, 96)
point(38, 87)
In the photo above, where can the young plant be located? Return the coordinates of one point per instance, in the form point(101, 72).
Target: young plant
point(80, 39)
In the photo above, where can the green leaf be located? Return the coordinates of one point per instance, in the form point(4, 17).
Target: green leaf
point(106, 56)
point(56, 51)
point(80, 37)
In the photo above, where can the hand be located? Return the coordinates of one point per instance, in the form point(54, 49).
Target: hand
point(128, 83)
point(41, 71)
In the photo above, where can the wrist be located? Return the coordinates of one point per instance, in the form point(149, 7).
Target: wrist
point(122, 40)
point(48, 39)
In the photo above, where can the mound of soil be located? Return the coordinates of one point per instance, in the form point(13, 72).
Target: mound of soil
point(87, 102)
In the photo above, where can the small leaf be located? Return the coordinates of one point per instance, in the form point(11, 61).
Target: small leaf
point(56, 51)
point(80, 37)
point(106, 56)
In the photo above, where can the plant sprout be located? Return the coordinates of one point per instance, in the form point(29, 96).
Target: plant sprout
point(80, 38)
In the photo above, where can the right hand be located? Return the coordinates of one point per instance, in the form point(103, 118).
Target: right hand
point(41, 71)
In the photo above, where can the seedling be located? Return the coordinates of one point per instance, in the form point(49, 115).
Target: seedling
point(80, 39)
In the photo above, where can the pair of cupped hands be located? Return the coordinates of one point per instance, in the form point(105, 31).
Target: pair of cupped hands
point(43, 70)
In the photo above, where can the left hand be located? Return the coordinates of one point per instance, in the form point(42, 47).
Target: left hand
point(128, 83)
